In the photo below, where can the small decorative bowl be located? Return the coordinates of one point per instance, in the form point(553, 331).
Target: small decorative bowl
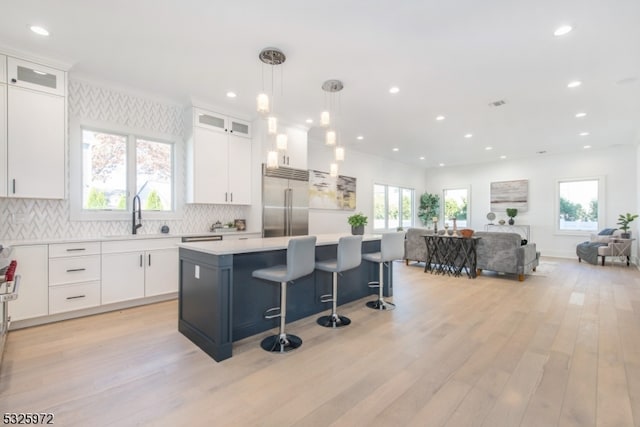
point(466, 232)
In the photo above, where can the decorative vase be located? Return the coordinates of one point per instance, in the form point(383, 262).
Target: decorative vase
point(501, 222)
point(359, 230)
point(626, 235)
point(511, 221)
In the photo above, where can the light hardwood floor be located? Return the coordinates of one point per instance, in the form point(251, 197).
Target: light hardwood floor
point(561, 348)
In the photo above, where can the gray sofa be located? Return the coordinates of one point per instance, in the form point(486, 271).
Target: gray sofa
point(496, 251)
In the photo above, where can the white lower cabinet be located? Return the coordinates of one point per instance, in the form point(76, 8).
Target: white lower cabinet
point(122, 276)
point(147, 268)
point(33, 297)
point(161, 272)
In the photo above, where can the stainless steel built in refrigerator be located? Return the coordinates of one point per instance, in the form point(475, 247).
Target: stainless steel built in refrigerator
point(285, 202)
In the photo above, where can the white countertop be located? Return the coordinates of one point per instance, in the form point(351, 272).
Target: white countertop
point(230, 247)
point(54, 240)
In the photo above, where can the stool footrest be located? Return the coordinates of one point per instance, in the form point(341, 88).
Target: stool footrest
point(373, 284)
point(326, 298)
point(272, 316)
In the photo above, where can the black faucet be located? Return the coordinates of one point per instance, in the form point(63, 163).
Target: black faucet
point(134, 225)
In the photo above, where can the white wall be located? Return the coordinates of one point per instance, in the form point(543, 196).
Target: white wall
point(617, 164)
point(368, 170)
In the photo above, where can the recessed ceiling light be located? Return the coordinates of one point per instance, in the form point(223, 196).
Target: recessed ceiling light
point(574, 84)
point(396, 149)
point(488, 148)
point(561, 31)
point(41, 31)
point(579, 115)
point(421, 157)
point(468, 135)
point(586, 147)
point(503, 157)
point(440, 118)
point(231, 94)
point(359, 137)
point(441, 164)
point(584, 133)
point(309, 121)
point(394, 90)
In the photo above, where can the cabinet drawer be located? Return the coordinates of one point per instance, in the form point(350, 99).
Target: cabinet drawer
point(73, 297)
point(74, 249)
point(74, 269)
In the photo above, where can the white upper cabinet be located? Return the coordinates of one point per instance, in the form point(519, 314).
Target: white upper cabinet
point(3, 69)
point(32, 130)
point(218, 159)
point(3, 140)
point(34, 76)
point(36, 144)
point(221, 123)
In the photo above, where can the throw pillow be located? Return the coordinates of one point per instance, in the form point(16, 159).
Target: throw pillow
point(607, 232)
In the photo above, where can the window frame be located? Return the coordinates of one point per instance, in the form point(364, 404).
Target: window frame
point(466, 188)
point(601, 205)
point(386, 207)
point(77, 213)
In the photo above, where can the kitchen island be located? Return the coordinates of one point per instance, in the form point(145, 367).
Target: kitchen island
point(220, 302)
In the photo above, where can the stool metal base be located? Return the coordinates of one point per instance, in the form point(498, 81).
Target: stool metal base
point(333, 321)
point(278, 344)
point(381, 304)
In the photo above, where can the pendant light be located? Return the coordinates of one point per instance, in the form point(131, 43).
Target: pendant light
point(330, 119)
point(281, 142)
point(271, 56)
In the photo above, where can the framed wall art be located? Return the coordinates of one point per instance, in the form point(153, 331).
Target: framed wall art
point(328, 192)
point(510, 194)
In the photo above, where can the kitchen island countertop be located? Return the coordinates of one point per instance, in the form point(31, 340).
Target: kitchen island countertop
point(231, 247)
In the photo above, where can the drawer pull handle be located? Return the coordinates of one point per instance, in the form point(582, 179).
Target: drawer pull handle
point(76, 297)
point(75, 269)
point(75, 249)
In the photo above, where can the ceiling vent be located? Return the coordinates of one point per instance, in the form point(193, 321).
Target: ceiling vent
point(497, 103)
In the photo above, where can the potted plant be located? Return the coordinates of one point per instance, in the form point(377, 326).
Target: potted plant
point(623, 222)
point(512, 213)
point(357, 222)
point(429, 207)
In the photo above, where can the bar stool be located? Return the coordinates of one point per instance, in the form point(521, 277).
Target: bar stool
point(301, 253)
point(391, 248)
point(349, 256)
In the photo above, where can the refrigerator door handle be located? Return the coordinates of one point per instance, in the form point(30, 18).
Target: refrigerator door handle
point(286, 211)
point(291, 212)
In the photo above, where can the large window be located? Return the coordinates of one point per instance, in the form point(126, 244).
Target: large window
point(392, 207)
point(456, 205)
point(116, 166)
point(579, 204)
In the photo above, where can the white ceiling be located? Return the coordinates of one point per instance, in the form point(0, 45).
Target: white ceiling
point(447, 57)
